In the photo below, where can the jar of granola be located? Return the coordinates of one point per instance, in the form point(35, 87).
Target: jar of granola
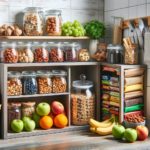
point(53, 22)
point(33, 21)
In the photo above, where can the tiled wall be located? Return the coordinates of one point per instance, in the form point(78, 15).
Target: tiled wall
point(123, 8)
point(82, 10)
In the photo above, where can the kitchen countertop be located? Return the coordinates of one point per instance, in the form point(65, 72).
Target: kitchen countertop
point(72, 141)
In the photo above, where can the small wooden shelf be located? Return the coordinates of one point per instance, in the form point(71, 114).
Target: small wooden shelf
point(43, 38)
point(38, 95)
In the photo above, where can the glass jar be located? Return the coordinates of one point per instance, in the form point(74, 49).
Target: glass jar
point(82, 101)
point(131, 55)
point(29, 83)
point(55, 52)
point(25, 54)
point(53, 22)
point(40, 52)
point(59, 81)
point(83, 55)
point(14, 84)
point(33, 21)
point(70, 51)
point(14, 112)
point(10, 54)
point(28, 108)
point(44, 82)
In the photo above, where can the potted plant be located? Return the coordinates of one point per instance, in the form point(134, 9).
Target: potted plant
point(95, 30)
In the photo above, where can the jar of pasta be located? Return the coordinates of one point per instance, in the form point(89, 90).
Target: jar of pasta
point(53, 22)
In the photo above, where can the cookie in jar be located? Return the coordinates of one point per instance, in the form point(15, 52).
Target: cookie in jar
point(83, 55)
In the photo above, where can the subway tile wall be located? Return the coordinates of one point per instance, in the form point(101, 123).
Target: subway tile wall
point(123, 8)
point(82, 10)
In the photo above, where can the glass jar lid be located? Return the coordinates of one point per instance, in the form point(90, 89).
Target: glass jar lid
point(28, 104)
point(55, 12)
point(82, 83)
point(28, 73)
point(13, 74)
point(59, 73)
point(44, 73)
point(33, 9)
point(14, 105)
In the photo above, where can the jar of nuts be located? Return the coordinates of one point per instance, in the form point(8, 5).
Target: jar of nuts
point(14, 84)
point(44, 82)
point(55, 52)
point(29, 83)
point(40, 52)
point(10, 54)
point(33, 21)
point(53, 22)
point(70, 51)
point(59, 81)
point(28, 108)
point(25, 54)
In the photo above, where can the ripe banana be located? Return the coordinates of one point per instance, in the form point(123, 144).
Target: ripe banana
point(103, 124)
point(105, 131)
point(92, 129)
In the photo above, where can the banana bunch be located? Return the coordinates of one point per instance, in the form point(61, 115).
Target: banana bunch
point(102, 128)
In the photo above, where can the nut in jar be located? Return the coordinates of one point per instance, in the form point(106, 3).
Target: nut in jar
point(33, 21)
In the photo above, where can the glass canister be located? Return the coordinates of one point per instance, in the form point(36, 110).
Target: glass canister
point(82, 101)
point(70, 51)
point(44, 82)
point(14, 84)
point(10, 54)
point(55, 52)
point(25, 54)
point(14, 112)
point(27, 109)
point(29, 83)
point(40, 52)
point(59, 81)
point(53, 22)
point(33, 22)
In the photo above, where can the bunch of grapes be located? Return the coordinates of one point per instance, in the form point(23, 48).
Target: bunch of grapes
point(73, 29)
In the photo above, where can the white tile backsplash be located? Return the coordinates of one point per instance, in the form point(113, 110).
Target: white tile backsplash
point(17, 3)
point(3, 2)
point(136, 2)
point(4, 14)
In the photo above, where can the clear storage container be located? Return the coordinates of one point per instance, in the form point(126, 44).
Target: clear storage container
point(59, 81)
point(70, 51)
point(82, 101)
point(53, 22)
point(25, 54)
point(44, 82)
point(14, 84)
point(55, 52)
point(29, 83)
point(40, 52)
point(33, 24)
point(10, 54)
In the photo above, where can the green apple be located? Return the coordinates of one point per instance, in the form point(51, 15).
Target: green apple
point(118, 131)
point(36, 118)
point(24, 119)
point(29, 125)
point(130, 135)
point(17, 125)
point(43, 109)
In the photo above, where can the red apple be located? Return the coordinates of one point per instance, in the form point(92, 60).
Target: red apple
point(51, 114)
point(57, 107)
point(142, 132)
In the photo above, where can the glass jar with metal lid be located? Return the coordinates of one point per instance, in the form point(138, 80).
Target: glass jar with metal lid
point(10, 54)
point(82, 101)
point(14, 84)
point(40, 52)
point(33, 21)
point(59, 81)
point(53, 22)
point(44, 81)
point(55, 52)
point(25, 54)
point(29, 83)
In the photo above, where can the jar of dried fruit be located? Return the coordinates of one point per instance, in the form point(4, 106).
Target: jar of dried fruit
point(25, 54)
point(10, 54)
point(40, 52)
point(55, 52)
point(44, 82)
point(33, 21)
point(59, 81)
point(53, 22)
point(14, 84)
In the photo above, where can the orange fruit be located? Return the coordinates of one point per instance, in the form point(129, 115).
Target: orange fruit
point(46, 122)
point(61, 121)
